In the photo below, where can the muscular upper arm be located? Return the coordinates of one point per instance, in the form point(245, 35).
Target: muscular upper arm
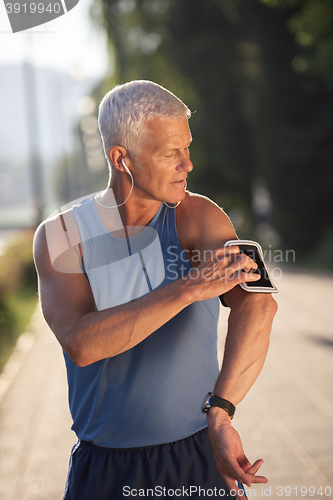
point(202, 227)
point(65, 293)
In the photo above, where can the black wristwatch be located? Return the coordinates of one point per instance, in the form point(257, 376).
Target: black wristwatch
point(212, 400)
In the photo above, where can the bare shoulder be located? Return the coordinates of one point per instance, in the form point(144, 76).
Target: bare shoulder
point(202, 224)
point(201, 206)
point(56, 242)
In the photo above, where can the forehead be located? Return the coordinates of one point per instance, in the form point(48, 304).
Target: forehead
point(167, 133)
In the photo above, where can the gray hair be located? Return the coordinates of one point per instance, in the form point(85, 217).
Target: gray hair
point(124, 110)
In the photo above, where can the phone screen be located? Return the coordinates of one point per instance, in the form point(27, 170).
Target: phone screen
point(252, 252)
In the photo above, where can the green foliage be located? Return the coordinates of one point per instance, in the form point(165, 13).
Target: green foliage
point(259, 75)
point(18, 291)
point(311, 22)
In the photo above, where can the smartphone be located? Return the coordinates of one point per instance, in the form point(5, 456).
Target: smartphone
point(253, 250)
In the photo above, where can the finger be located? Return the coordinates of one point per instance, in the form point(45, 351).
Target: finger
point(250, 276)
point(237, 473)
point(235, 490)
point(221, 267)
point(253, 469)
point(257, 479)
point(231, 263)
point(220, 255)
point(251, 473)
point(228, 250)
point(245, 463)
point(240, 277)
point(242, 263)
point(225, 252)
point(249, 263)
point(247, 477)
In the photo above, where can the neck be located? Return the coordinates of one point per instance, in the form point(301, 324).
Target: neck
point(137, 211)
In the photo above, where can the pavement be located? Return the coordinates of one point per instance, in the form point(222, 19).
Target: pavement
point(286, 418)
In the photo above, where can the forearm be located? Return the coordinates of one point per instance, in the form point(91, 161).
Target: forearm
point(87, 335)
point(100, 334)
point(95, 335)
point(246, 346)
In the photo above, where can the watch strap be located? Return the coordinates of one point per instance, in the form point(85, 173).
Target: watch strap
point(221, 403)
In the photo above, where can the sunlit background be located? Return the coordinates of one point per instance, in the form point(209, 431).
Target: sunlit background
point(257, 73)
point(47, 77)
point(258, 76)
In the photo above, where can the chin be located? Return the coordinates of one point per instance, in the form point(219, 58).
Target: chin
point(176, 198)
point(181, 198)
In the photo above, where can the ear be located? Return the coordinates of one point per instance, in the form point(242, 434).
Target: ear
point(116, 155)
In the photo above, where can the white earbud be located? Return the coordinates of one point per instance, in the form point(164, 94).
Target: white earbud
point(127, 169)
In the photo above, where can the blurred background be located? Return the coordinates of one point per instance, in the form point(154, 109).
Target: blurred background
point(257, 73)
point(258, 76)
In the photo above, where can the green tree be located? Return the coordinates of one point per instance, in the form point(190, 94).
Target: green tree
point(258, 74)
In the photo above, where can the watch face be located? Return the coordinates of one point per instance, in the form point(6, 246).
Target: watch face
point(205, 404)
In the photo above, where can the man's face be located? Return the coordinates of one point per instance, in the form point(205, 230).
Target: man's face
point(164, 160)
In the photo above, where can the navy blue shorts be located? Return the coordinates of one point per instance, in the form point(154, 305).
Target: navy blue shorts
point(183, 469)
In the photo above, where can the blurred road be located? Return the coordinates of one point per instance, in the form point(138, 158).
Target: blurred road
point(286, 419)
point(35, 435)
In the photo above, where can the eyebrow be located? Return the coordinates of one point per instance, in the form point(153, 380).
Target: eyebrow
point(171, 148)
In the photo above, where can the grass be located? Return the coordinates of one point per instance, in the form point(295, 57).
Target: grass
point(20, 308)
point(18, 292)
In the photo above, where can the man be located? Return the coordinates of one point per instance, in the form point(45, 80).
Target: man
point(129, 283)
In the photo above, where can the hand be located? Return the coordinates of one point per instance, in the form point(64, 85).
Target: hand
point(223, 271)
point(229, 455)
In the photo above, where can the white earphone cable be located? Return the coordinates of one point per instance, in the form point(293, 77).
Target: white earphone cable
point(132, 180)
point(123, 203)
point(165, 203)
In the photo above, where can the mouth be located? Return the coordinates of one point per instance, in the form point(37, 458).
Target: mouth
point(180, 183)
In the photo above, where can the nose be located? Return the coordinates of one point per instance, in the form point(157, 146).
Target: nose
point(185, 163)
point(188, 165)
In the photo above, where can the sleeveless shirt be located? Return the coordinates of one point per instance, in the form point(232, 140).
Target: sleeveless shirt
point(152, 393)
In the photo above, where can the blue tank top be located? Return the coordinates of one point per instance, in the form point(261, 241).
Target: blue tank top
point(152, 393)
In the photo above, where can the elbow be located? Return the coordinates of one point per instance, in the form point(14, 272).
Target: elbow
point(76, 356)
point(78, 352)
point(85, 351)
point(80, 361)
